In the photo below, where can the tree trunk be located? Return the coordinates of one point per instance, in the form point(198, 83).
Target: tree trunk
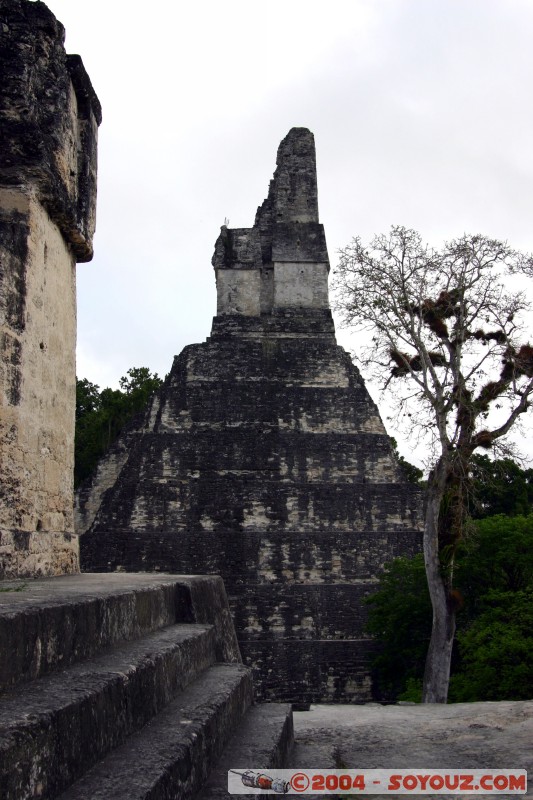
point(438, 660)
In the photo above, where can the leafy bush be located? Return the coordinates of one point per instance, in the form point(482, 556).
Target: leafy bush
point(496, 651)
point(400, 619)
point(101, 415)
point(493, 654)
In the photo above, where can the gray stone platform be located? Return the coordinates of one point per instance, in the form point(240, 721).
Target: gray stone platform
point(455, 736)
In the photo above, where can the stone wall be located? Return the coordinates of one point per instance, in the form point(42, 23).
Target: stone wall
point(282, 262)
point(49, 117)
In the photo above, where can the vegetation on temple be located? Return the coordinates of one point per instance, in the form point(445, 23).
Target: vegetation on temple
point(101, 415)
point(449, 339)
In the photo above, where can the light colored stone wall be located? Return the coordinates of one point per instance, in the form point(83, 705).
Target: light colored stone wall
point(37, 400)
point(300, 285)
point(89, 496)
point(282, 285)
point(239, 291)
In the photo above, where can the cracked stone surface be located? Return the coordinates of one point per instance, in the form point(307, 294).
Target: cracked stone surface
point(459, 735)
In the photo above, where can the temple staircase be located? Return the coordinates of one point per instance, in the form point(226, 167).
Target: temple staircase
point(126, 687)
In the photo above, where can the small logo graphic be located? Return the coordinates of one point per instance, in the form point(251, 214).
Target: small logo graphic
point(258, 780)
point(300, 782)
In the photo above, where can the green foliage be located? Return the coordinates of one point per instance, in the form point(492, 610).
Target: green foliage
point(496, 651)
point(87, 397)
point(400, 619)
point(499, 556)
point(139, 385)
point(500, 487)
point(413, 691)
point(412, 473)
point(19, 588)
point(101, 415)
point(493, 658)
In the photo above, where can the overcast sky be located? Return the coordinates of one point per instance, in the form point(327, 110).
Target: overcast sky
point(421, 111)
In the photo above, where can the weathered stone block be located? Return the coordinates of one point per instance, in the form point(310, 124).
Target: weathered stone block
point(300, 285)
point(239, 292)
point(49, 117)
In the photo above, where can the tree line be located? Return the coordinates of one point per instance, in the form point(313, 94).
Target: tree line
point(102, 414)
point(492, 657)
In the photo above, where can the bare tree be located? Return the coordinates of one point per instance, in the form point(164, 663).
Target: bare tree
point(448, 344)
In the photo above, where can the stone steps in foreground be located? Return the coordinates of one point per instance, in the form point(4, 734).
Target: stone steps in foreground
point(263, 741)
point(172, 755)
point(55, 728)
point(50, 623)
point(119, 686)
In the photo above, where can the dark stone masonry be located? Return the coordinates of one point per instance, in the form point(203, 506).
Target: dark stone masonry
point(264, 459)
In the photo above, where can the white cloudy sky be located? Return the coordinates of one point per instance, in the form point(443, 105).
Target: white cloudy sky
point(421, 111)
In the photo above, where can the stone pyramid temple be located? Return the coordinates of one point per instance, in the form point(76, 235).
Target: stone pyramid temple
point(264, 459)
